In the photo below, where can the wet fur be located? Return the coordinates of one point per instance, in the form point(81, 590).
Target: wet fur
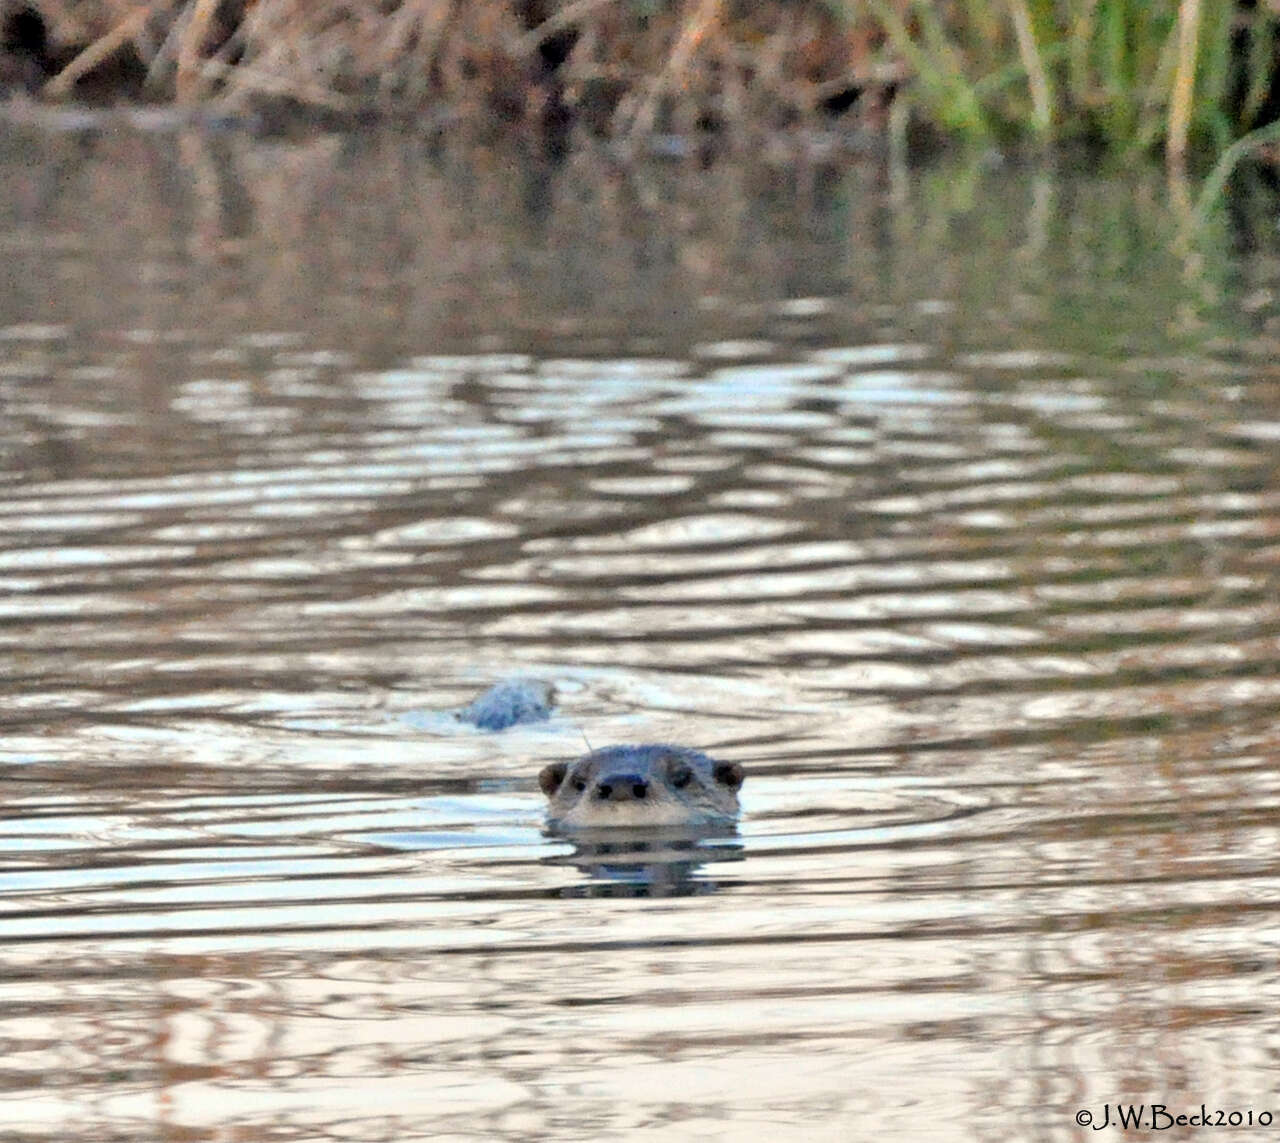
point(641, 787)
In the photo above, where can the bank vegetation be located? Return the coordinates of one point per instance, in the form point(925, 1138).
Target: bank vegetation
point(1177, 75)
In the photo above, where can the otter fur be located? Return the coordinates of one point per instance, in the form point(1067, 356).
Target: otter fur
point(637, 787)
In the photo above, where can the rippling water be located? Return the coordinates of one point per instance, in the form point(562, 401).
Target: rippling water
point(944, 503)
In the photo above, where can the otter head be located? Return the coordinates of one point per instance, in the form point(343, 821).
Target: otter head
point(635, 787)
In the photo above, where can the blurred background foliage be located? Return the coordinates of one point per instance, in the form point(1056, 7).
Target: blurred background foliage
point(1185, 76)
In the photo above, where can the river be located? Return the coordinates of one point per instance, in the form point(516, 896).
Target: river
point(942, 499)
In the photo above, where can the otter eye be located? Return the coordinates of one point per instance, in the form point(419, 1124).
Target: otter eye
point(579, 785)
point(680, 775)
point(728, 774)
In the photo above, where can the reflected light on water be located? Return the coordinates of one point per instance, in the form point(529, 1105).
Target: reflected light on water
point(930, 515)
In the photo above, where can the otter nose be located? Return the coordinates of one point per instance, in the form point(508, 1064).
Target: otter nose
point(621, 787)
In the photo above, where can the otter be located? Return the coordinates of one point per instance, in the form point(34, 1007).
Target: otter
point(510, 703)
point(635, 787)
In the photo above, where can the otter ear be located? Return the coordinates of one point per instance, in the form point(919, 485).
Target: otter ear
point(551, 777)
point(728, 774)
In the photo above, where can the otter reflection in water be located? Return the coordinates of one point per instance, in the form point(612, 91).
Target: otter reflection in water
point(647, 863)
point(643, 819)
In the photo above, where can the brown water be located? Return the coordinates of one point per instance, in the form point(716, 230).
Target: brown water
point(946, 502)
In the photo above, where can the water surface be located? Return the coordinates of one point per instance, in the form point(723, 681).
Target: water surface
point(945, 502)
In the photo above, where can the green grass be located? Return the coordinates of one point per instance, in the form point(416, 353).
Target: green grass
point(1132, 75)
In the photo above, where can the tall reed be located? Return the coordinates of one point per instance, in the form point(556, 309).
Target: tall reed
point(1129, 74)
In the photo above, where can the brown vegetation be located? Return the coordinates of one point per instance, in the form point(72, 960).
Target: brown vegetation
point(621, 67)
point(1134, 75)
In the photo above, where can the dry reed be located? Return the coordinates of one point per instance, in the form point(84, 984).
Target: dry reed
point(1127, 73)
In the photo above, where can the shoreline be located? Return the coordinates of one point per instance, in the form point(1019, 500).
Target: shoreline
point(781, 147)
point(1189, 80)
